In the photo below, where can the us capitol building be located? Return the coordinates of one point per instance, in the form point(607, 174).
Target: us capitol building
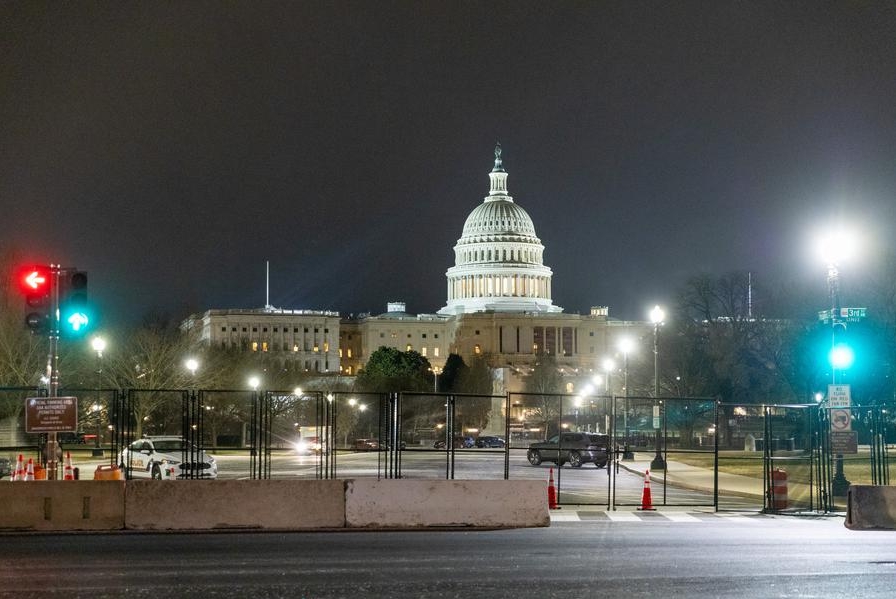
point(498, 307)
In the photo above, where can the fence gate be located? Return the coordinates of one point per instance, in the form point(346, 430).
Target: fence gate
point(676, 440)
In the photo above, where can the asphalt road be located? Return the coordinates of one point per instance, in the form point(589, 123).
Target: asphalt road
point(707, 555)
point(576, 486)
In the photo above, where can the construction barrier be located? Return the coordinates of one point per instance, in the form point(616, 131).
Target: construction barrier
point(779, 489)
point(157, 505)
point(108, 473)
point(646, 497)
point(871, 507)
point(552, 493)
point(57, 505)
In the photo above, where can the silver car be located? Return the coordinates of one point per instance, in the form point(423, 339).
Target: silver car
point(166, 458)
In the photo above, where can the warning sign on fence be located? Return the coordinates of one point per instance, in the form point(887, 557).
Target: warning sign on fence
point(51, 415)
point(844, 442)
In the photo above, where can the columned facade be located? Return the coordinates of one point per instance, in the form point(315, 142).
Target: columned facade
point(498, 258)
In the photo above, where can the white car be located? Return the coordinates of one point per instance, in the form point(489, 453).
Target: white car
point(166, 458)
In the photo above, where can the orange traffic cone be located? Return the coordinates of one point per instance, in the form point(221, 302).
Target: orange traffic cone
point(69, 471)
point(646, 500)
point(552, 493)
point(29, 474)
point(20, 469)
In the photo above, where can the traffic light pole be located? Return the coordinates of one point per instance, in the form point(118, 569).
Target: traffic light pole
point(53, 366)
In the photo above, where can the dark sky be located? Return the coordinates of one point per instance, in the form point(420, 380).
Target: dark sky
point(172, 148)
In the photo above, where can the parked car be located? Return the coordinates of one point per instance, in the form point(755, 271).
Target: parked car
point(162, 457)
point(5, 467)
point(460, 442)
point(573, 448)
point(367, 444)
point(489, 441)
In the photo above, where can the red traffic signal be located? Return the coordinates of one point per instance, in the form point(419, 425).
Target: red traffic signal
point(35, 280)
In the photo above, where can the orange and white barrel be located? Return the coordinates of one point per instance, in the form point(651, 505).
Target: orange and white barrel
point(779, 489)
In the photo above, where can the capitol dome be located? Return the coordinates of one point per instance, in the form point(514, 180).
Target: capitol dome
point(498, 258)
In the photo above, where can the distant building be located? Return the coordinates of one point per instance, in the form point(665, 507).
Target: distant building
point(499, 306)
point(302, 340)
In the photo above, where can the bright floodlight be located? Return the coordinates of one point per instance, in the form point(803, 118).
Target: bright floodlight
point(608, 364)
point(841, 356)
point(626, 345)
point(98, 344)
point(657, 315)
point(352, 401)
point(192, 365)
point(297, 391)
point(837, 246)
point(254, 381)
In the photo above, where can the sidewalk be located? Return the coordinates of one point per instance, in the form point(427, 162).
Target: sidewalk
point(695, 478)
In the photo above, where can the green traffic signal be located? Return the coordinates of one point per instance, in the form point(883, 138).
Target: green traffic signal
point(75, 315)
point(841, 356)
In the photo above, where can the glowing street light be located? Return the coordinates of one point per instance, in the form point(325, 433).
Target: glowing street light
point(626, 345)
point(254, 382)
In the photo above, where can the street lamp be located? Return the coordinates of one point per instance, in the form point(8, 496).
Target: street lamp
point(657, 316)
point(99, 346)
point(436, 371)
point(626, 345)
point(835, 248)
point(192, 365)
point(254, 382)
point(609, 365)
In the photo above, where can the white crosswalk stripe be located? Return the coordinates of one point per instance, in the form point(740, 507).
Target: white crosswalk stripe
point(652, 516)
point(681, 517)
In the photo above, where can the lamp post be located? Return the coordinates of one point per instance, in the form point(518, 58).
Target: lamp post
point(835, 248)
point(609, 366)
point(192, 364)
point(657, 316)
point(625, 346)
point(99, 345)
point(436, 371)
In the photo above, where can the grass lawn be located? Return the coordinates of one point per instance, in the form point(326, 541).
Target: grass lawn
point(856, 468)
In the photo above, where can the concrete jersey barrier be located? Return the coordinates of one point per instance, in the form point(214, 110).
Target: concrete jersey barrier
point(152, 505)
point(62, 505)
point(371, 503)
point(234, 504)
point(871, 507)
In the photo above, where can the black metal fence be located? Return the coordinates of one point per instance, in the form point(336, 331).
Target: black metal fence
point(699, 452)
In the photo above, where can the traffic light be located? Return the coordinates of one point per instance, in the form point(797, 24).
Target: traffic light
point(74, 312)
point(36, 283)
point(841, 356)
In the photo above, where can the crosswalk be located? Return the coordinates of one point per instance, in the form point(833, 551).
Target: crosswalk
point(654, 516)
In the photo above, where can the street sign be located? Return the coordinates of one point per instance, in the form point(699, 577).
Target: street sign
point(51, 414)
point(839, 396)
point(844, 442)
point(841, 420)
point(844, 315)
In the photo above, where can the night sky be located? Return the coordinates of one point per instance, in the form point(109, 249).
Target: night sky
point(170, 149)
